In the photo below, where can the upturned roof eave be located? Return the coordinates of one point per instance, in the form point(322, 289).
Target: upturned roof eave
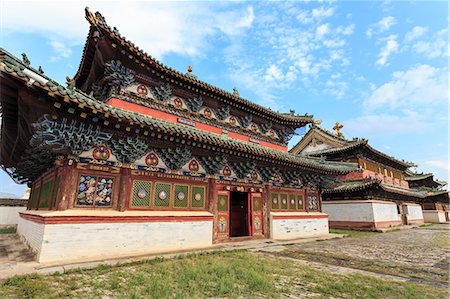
point(97, 21)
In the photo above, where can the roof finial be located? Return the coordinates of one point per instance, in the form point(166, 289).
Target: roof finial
point(189, 72)
point(190, 68)
point(235, 92)
point(337, 128)
point(25, 59)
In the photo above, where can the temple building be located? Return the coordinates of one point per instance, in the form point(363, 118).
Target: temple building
point(133, 157)
point(383, 193)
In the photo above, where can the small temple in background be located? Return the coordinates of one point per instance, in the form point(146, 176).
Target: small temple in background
point(133, 157)
point(382, 193)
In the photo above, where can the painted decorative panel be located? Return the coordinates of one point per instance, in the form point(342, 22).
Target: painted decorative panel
point(222, 204)
point(256, 204)
point(284, 201)
point(313, 202)
point(94, 191)
point(162, 195)
point(257, 224)
point(197, 197)
point(275, 201)
point(104, 191)
point(35, 199)
point(55, 195)
point(46, 195)
point(223, 224)
point(180, 199)
point(292, 202)
point(141, 192)
point(300, 201)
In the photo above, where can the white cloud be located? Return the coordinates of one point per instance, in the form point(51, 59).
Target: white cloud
point(442, 164)
point(422, 84)
point(390, 48)
point(416, 32)
point(169, 26)
point(381, 26)
point(434, 47)
point(346, 30)
point(316, 14)
point(273, 73)
point(386, 124)
point(60, 50)
point(322, 30)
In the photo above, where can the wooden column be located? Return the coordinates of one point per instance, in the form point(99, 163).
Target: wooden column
point(67, 187)
point(267, 203)
point(125, 183)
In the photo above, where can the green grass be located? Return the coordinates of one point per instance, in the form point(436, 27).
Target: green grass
point(217, 274)
point(8, 230)
point(441, 240)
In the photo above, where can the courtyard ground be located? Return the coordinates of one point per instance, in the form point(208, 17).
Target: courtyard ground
point(402, 264)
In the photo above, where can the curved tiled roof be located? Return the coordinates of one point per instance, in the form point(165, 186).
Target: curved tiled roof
point(14, 67)
point(356, 144)
point(98, 21)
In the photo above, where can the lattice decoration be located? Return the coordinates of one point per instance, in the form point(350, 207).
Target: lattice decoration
point(103, 195)
point(284, 201)
point(245, 120)
point(174, 158)
point(194, 104)
point(265, 127)
point(269, 173)
point(55, 195)
point(292, 202)
point(162, 93)
point(223, 112)
point(313, 203)
point(181, 196)
point(128, 150)
point(275, 201)
point(141, 193)
point(46, 195)
point(68, 136)
point(242, 169)
point(286, 134)
point(35, 199)
point(116, 76)
point(212, 164)
point(256, 203)
point(300, 202)
point(162, 195)
point(222, 203)
point(197, 197)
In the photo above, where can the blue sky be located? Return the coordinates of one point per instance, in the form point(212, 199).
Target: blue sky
point(380, 68)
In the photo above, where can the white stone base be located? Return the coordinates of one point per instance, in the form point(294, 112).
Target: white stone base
point(362, 214)
point(415, 215)
point(9, 215)
point(295, 225)
point(433, 216)
point(74, 241)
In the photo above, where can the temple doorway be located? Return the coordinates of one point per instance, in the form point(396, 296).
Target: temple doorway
point(239, 214)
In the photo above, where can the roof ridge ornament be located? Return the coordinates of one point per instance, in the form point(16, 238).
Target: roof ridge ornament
point(337, 129)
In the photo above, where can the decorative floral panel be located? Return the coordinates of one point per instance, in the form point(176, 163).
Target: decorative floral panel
point(292, 202)
point(104, 192)
point(313, 203)
point(162, 195)
point(222, 203)
point(93, 190)
point(257, 224)
point(194, 166)
point(152, 160)
point(223, 225)
point(300, 201)
point(284, 201)
point(181, 196)
point(197, 197)
point(141, 194)
point(275, 201)
point(101, 153)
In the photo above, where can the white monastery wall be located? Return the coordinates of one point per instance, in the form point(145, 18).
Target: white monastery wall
point(386, 211)
point(433, 216)
point(356, 211)
point(31, 233)
point(415, 212)
point(285, 229)
point(9, 215)
point(94, 240)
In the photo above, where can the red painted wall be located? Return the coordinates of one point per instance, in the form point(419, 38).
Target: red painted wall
point(174, 118)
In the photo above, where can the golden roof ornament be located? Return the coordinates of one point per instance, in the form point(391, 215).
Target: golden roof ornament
point(317, 122)
point(235, 92)
point(337, 129)
point(189, 72)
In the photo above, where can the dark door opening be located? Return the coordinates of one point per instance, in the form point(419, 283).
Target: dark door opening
point(239, 211)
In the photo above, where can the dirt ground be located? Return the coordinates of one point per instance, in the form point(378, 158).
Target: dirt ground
point(419, 254)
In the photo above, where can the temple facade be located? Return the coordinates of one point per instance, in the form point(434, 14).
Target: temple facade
point(382, 193)
point(133, 157)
